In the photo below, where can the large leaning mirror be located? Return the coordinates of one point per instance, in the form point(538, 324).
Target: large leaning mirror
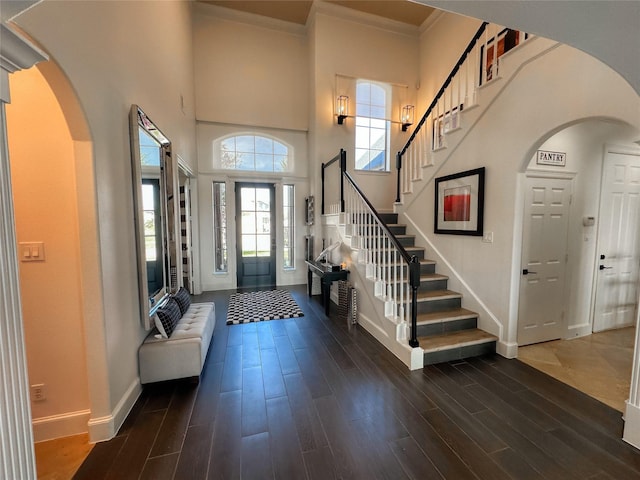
point(152, 170)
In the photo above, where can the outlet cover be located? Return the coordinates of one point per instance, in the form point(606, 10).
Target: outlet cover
point(37, 392)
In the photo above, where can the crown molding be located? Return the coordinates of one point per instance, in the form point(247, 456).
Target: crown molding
point(362, 18)
point(431, 20)
point(229, 14)
point(16, 52)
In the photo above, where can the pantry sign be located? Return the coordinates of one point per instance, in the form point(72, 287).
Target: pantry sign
point(557, 159)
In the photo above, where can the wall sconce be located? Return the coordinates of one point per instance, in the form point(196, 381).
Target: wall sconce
point(342, 108)
point(406, 117)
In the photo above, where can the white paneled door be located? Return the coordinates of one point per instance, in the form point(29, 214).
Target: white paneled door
point(619, 227)
point(544, 258)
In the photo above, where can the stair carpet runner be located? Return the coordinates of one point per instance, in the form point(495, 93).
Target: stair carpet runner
point(446, 331)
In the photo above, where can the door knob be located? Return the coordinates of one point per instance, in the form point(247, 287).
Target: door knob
point(526, 271)
point(602, 267)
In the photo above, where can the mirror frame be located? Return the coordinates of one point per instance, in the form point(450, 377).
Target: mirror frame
point(149, 304)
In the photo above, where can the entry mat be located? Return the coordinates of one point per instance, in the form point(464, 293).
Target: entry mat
point(263, 305)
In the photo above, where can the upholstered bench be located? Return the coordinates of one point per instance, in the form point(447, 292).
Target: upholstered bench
point(181, 352)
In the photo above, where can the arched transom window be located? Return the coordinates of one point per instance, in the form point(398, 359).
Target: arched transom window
point(253, 153)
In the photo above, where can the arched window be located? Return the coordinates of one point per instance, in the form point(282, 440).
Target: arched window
point(253, 153)
point(372, 126)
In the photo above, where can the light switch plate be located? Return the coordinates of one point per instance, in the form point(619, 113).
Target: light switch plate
point(487, 237)
point(31, 251)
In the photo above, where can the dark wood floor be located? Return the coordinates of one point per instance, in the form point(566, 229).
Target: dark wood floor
point(309, 398)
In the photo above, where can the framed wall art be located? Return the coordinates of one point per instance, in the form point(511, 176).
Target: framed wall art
point(459, 203)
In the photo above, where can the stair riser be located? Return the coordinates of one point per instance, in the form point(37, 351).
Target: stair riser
point(389, 217)
point(459, 353)
point(398, 229)
point(404, 241)
point(445, 327)
point(418, 253)
point(433, 285)
point(426, 286)
point(439, 305)
point(425, 269)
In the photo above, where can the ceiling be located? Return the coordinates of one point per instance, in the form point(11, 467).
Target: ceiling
point(297, 11)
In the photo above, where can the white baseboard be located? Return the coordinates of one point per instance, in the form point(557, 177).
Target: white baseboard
point(507, 350)
point(631, 433)
point(58, 426)
point(106, 427)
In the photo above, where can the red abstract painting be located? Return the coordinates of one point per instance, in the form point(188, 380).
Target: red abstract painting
point(457, 204)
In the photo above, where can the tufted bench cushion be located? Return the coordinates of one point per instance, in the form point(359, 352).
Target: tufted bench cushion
point(184, 352)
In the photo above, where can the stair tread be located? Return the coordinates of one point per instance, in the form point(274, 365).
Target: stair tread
point(445, 316)
point(457, 339)
point(432, 277)
point(431, 295)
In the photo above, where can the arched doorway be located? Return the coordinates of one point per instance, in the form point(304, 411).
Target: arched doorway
point(53, 200)
point(584, 145)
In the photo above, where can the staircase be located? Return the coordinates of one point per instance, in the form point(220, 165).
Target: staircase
point(381, 249)
point(446, 330)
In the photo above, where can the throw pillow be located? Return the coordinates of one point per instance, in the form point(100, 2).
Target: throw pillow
point(167, 317)
point(183, 298)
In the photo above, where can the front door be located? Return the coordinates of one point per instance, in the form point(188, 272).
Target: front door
point(255, 224)
point(618, 255)
point(544, 254)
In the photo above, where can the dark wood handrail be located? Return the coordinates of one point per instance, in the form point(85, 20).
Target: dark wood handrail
point(446, 83)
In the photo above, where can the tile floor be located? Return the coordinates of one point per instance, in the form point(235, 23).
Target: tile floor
point(598, 365)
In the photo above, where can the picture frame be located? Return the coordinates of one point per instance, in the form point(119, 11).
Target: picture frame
point(450, 120)
point(507, 39)
point(459, 203)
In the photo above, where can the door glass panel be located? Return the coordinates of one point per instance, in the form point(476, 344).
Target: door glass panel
point(263, 199)
point(248, 245)
point(263, 222)
point(256, 221)
point(263, 245)
point(248, 199)
point(249, 222)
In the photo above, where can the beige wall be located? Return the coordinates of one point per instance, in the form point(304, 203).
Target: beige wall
point(248, 74)
point(44, 192)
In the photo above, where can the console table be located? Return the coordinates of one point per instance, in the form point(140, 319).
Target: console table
point(327, 277)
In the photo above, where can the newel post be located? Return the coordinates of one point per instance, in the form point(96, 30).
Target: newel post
point(398, 168)
point(414, 283)
point(343, 169)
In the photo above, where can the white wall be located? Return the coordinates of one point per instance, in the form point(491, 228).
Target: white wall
point(116, 54)
point(381, 52)
point(44, 192)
